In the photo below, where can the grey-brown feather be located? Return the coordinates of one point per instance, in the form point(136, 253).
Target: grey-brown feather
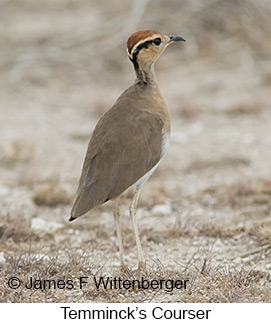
point(126, 143)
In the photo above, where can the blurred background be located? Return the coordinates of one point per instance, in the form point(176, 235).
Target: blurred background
point(63, 63)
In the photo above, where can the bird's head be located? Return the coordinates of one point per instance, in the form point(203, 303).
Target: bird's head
point(145, 46)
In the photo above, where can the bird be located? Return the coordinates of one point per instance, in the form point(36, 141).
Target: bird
point(129, 140)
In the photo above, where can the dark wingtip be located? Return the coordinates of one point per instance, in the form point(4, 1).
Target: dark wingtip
point(71, 218)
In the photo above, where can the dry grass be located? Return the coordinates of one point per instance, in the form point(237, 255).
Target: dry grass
point(51, 195)
point(254, 191)
point(188, 111)
point(15, 228)
point(261, 231)
point(16, 152)
point(251, 108)
point(207, 283)
point(26, 255)
point(199, 165)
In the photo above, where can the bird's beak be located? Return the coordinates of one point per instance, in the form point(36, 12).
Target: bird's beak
point(175, 38)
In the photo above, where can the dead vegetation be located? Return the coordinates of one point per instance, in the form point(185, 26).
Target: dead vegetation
point(15, 228)
point(261, 231)
point(205, 213)
point(208, 282)
point(51, 195)
point(251, 108)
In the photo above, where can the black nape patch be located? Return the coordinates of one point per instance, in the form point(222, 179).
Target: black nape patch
point(143, 45)
point(137, 50)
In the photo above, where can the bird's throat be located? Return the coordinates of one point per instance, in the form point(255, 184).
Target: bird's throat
point(145, 75)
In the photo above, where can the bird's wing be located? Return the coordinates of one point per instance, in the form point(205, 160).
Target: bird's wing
point(124, 146)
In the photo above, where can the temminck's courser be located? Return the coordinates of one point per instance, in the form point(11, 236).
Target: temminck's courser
point(130, 139)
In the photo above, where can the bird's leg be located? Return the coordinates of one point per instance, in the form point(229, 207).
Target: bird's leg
point(132, 209)
point(117, 216)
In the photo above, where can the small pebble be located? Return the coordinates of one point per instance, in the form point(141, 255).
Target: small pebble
point(237, 260)
point(156, 238)
point(161, 209)
point(2, 258)
point(4, 190)
point(47, 226)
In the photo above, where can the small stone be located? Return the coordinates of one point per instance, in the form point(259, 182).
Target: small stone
point(161, 209)
point(4, 190)
point(47, 226)
point(156, 238)
point(237, 260)
point(2, 258)
point(218, 243)
point(51, 195)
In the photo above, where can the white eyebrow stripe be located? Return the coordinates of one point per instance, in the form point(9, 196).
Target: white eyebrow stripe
point(143, 41)
point(129, 54)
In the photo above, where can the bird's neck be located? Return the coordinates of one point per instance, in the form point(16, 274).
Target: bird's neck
point(145, 74)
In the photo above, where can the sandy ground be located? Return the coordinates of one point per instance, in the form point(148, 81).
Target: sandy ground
point(205, 213)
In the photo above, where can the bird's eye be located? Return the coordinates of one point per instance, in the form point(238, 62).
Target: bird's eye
point(157, 41)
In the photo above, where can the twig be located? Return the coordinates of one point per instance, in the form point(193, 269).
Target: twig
point(252, 252)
